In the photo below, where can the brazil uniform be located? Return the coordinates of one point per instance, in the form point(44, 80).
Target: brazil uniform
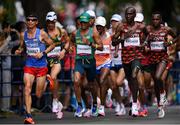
point(84, 59)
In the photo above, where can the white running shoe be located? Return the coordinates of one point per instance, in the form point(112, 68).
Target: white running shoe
point(163, 101)
point(87, 113)
point(122, 110)
point(55, 106)
point(117, 109)
point(59, 115)
point(60, 106)
point(134, 109)
point(161, 112)
point(101, 110)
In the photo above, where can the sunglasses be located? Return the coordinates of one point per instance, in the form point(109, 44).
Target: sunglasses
point(31, 19)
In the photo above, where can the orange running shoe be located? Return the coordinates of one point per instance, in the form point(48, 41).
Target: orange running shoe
point(28, 120)
point(51, 82)
point(143, 113)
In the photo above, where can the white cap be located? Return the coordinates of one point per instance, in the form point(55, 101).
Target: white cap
point(139, 17)
point(100, 21)
point(51, 16)
point(116, 17)
point(91, 13)
point(70, 28)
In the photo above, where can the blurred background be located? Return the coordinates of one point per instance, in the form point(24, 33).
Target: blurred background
point(67, 10)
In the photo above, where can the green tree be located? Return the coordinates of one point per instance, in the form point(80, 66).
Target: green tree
point(9, 11)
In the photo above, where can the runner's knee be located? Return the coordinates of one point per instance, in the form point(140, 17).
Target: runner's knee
point(27, 90)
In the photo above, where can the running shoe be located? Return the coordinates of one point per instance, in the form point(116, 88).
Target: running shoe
point(143, 112)
point(55, 106)
point(59, 114)
point(101, 110)
point(29, 121)
point(122, 110)
point(79, 112)
point(160, 112)
point(163, 101)
point(87, 113)
point(95, 111)
point(117, 108)
point(134, 110)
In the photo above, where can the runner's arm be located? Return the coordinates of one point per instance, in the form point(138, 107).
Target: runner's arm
point(48, 41)
point(98, 45)
point(21, 46)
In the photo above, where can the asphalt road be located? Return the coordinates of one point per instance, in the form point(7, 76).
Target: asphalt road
point(172, 117)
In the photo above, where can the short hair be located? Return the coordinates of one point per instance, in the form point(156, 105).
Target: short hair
point(130, 8)
point(157, 12)
point(32, 15)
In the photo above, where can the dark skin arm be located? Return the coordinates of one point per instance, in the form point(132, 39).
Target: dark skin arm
point(116, 38)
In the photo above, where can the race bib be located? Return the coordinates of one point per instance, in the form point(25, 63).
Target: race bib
point(31, 51)
point(135, 41)
point(157, 46)
point(117, 61)
point(54, 52)
point(83, 50)
point(106, 50)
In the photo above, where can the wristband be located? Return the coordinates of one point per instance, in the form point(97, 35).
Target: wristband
point(96, 46)
point(170, 42)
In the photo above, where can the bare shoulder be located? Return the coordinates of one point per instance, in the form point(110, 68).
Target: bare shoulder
point(170, 31)
point(43, 33)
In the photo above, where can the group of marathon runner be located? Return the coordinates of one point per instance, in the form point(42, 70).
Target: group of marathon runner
point(103, 59)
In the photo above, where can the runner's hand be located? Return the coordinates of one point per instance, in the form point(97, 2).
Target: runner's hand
point(85, 40)
point(38, 55)
point(18, 52)
point(62, 54)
